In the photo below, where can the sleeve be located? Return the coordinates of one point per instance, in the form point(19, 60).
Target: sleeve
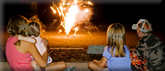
point(106, 53)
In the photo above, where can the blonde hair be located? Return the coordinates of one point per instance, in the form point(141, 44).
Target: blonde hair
point(116, 39)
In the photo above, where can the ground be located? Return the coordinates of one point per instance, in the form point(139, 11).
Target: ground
point(82, 40)
point(73, 55)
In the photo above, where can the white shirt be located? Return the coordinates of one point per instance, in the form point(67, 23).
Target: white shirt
point(40, 45)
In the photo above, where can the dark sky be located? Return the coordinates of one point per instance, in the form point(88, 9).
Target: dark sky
point(125, 13)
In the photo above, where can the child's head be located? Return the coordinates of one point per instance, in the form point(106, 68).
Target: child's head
point(116, 38)
point(33, 29)
point(37, 20)
point(17, 25)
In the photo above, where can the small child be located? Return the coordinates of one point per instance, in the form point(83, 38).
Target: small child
point(116, 55)
point(34, 37)
point(34, 32)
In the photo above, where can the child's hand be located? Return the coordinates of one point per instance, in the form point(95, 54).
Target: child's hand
point(45, 41)
point(106, 65)
point(133, 54)
point(20, 37)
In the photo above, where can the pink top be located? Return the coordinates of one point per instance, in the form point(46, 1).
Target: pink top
point(18, 61)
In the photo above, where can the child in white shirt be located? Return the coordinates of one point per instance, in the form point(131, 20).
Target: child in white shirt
point(34, 32)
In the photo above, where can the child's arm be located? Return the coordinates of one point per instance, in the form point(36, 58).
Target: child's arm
point(45, 55)
point(28, 39)
point(102, 62)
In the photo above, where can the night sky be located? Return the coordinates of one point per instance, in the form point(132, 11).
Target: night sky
point(127, 13)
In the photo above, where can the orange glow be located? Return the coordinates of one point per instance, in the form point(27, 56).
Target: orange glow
point(76, 29)
point(75, 1)
point(86, 10)
point(89, 2)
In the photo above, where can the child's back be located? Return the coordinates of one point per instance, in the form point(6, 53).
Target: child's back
point(118, 63)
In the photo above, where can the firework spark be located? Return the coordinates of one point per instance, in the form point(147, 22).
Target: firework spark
point(59, 31)
point(73, 13)
point(76, 29)
point(54, 11)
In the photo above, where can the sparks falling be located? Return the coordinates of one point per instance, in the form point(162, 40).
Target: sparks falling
point(76, 29)
point(72, 12)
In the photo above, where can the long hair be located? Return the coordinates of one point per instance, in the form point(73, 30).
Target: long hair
point(116, 39)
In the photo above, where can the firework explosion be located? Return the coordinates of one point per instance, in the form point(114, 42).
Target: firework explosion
point(73, 14)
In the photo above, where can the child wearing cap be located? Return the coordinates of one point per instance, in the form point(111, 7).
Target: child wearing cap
point(149, 47)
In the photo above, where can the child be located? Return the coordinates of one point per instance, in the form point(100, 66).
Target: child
point(116, 56)
point(34, 31)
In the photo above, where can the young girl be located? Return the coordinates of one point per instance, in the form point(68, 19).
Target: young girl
point(116, 55)
point(34, 32)
point(18, 54)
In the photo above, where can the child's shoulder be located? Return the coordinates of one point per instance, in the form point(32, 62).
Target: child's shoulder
point(105, 47)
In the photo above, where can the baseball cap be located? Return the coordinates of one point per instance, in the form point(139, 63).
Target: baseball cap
point(143, 25)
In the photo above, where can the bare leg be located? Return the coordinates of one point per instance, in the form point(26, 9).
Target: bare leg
point(94, 67)
point(35, 66)
point(57, 66)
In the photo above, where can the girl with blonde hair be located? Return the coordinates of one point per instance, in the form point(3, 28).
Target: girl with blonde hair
point(116, 55)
